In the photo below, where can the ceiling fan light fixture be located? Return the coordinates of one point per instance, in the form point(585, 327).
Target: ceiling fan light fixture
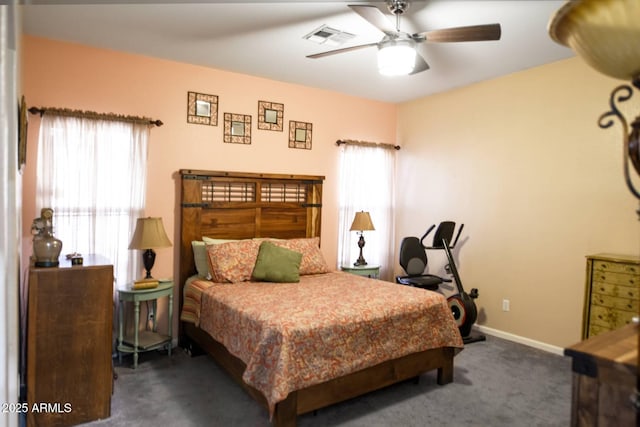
point(396, 58)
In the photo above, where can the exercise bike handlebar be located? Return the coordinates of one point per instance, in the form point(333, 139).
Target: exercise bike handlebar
point(457, 236)
point(451, 246)
point(425, 235)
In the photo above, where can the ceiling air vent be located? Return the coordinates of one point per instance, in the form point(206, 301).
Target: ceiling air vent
point(329, 36)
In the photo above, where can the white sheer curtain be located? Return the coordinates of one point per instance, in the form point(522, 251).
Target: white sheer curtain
point(367, 182)
point(92, 173)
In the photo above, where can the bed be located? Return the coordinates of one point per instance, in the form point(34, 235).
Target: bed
point(292, 359)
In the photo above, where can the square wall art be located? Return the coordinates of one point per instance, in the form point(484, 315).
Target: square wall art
point(202, 109)
point(300, 135)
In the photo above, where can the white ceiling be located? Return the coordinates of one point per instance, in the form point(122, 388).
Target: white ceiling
point(265, 39)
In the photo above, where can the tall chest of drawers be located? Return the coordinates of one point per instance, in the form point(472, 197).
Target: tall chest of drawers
point(69, 339)
point(612, 292)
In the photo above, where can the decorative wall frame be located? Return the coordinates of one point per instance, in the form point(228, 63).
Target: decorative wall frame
point(22, 133)
point(237, 128)
point(270, 115)
point(202, 109)
point(300, 134)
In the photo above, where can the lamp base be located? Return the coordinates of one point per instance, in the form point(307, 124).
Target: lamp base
point(148, 259)
point(360, 261)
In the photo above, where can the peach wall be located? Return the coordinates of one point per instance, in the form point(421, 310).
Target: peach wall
point(521, 162)
point(58, 74)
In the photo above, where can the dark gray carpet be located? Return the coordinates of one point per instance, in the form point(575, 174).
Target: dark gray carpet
point(496, 383)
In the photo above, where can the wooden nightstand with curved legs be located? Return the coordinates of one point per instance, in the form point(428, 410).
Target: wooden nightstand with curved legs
point(146, 340)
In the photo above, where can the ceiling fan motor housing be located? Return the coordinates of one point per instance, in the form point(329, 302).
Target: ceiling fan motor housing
point(397, 7)
point(397, 54)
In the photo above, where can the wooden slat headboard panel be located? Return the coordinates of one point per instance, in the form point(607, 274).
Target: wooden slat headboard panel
point(237, 205)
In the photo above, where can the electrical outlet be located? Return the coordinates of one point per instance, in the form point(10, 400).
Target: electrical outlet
point(505, 305)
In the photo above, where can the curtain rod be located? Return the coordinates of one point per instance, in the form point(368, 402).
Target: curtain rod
point(93, 115)
point(367, 144)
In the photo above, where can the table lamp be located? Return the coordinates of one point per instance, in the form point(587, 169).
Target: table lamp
point(149, 234)
point(361, 222)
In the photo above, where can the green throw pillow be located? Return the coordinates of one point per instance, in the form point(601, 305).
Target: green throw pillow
point(276, 264)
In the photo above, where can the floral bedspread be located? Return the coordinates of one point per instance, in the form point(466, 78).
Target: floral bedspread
point(293, 335)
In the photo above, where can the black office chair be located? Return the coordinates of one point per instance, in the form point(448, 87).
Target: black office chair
point(413, 260)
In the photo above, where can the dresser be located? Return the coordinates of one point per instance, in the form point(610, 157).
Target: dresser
point(604, 379)
point(69, 341)
point(612, 292)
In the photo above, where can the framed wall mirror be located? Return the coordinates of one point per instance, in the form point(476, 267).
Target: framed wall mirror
point(237, 128)
point(270, 115)
point(300, 135)
point(202, 109)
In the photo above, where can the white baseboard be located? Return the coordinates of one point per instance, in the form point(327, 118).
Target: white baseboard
point(521, 340)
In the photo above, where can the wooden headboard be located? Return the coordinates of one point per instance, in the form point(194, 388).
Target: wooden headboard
point(237, 205)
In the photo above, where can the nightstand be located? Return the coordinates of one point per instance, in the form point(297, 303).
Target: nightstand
point(372, 271)
point(144, 340)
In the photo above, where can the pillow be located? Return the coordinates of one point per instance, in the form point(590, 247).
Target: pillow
point(277, 264)
point(233, 261)
point(312, 259)
point(200, 258)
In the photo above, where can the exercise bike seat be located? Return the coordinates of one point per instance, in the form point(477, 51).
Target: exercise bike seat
point(413, 259)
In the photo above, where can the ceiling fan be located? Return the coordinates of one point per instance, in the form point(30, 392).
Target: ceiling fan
point(397, 54)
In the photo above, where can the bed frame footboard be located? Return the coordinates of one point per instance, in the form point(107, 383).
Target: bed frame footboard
point(336, 390)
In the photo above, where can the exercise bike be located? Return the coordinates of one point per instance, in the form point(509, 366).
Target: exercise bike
point(413, 259)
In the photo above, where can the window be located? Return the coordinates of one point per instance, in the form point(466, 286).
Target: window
point(92, 173)
point(367, 180)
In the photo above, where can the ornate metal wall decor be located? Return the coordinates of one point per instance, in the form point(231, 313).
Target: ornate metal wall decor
point(202, 109)
point(270, 115)
point(237, 128)
point(300, 134)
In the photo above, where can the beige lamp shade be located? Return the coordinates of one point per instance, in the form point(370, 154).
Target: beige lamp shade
point(362, 222)
point(149, 234)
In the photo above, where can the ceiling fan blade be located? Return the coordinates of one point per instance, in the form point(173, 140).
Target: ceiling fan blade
point(462, 34)
point(345, 49)
point(375, 17)
point(421, 64)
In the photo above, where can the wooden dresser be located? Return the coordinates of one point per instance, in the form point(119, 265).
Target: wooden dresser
point(69, 338)
point(605, 369)
point(612, 292)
